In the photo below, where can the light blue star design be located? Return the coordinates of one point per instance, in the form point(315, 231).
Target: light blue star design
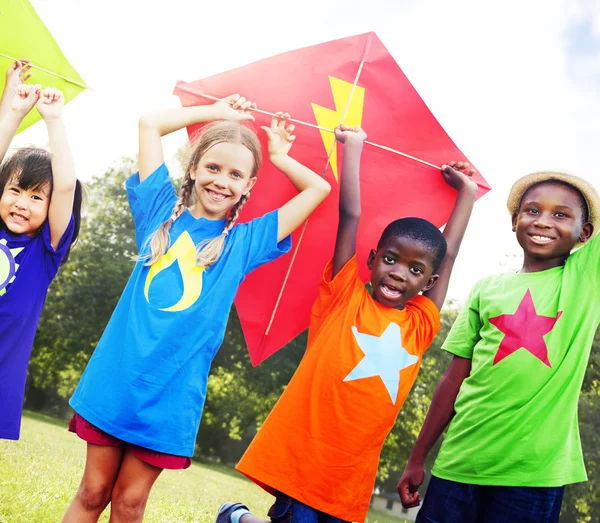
point(384, 357)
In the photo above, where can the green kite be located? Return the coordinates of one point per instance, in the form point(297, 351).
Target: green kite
point(24, 35)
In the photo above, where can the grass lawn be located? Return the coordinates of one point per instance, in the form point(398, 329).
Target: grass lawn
point(39, 475)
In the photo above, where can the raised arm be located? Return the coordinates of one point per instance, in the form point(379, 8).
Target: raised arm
point(313, 188)
point(153, 126)
point(456, 226)
point(22, 102)
point(440, 412)
point(353, 139)
point(64, 179)
point(17, 73)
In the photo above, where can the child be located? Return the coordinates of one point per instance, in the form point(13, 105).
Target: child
point(318, 450)
point(520, 348)
point(40, 206)
point(139, 401)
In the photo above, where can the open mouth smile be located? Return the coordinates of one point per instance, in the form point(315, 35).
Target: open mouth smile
point(216, 196)
point(540, 240)
point(390, 292)
point(18, 218)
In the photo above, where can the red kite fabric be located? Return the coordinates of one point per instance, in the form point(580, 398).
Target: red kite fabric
point(358, 77)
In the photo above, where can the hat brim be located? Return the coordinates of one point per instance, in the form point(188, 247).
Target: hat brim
point(586, 189)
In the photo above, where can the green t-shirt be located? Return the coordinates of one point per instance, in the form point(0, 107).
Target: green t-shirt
point(529, 336)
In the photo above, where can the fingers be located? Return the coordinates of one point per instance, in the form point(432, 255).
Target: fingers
point(267, 130)
point(409, 495)
point(278, 124)
point(460, 166)
point(26, 91)
point(240, 103)
point(50, 95)
point(278, 120)
point(25, 73)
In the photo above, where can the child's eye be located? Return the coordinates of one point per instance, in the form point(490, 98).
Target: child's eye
point(388, 259)
point(416, 270)
point(14, 190)
point(235, 174)
point(212, 168)
point(560, 214)
point(532, 211)
point(36, 197)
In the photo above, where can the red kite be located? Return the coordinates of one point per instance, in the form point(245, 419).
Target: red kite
point(355, 78)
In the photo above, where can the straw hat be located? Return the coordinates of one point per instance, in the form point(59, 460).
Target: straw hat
point(585, 188)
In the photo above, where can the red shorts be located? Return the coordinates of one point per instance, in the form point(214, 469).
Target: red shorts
point(92, 434)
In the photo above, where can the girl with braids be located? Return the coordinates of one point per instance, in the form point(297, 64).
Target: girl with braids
point(139, 402)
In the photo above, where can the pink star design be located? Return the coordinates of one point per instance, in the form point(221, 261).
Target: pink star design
point(524, 329)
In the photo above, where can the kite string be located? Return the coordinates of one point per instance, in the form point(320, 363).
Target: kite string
point(289, 270)
point(383, 147)
point(74, 82)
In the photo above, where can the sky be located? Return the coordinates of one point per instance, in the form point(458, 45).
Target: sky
point(516, 84)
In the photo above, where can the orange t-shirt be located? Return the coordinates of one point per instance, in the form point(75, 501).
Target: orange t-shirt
point(321, 442)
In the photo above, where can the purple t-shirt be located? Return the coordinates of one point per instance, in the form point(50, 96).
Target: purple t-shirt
point(27, 266)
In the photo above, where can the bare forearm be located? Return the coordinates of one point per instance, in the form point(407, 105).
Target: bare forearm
point(302, 178)
point(63, 167)
point(8, 127)
point(6, 101)
point(170, 120)
point(439, 415)
point(454, 233)
point(350, 181)
point(459, 219)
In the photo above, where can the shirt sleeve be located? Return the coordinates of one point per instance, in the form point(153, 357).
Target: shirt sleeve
point(466, 331)
point(260, 239)
point(54, 257)
point(587, 259)
point(428, 322)
point(151, 202)
point(335, 290)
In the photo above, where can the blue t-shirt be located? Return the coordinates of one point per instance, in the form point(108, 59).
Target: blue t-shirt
point(27, 266)
point(146, 381)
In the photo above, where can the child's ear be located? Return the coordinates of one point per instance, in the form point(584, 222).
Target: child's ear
point(250, 184)
point(193, 173)
point(431, 282)
point(587, 230)
point(371, 259)
point(514, 222)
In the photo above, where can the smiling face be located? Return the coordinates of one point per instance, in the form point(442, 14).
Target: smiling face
point(400, 268)
point(551, 220)
point(24, 211)
point(223, 174)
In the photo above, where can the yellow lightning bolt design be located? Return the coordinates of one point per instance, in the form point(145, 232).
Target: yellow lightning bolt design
point(182, 251)
point(330, 119)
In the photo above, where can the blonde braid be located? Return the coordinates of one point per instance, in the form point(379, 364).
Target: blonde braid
point(208, 251)
point(160, 240)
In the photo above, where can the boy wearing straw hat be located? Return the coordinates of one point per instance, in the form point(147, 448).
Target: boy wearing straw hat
point(520, 347)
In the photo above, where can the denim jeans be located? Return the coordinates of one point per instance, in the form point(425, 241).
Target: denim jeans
point(288, 510)
point(451, 502)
